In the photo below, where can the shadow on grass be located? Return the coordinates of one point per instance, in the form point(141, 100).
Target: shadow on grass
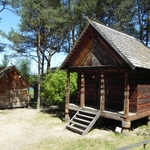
point(55, 111)
point(33, 103)
point(106, 124)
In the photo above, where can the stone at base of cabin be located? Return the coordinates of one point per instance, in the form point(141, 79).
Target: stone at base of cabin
point(125, 131)
point(148, 122)
point(126, 124)
point(67, 117)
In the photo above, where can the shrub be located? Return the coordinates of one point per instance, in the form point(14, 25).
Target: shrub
point(54, 87)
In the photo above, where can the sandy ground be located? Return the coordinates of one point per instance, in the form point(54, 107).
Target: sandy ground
point(22, 127)
point(19, 129)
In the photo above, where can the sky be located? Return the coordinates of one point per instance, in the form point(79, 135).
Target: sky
point(10, 20)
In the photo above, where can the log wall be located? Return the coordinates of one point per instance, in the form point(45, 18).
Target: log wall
point(13, 90)
point(91, 88)
point(114, 90)
point(143, 98)
point(133, 92)
point(14, 98)
point(139, 93)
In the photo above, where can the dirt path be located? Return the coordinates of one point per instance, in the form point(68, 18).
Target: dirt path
point(20, 128)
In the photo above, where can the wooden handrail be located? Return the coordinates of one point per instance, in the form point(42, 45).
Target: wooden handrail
point(135, 145)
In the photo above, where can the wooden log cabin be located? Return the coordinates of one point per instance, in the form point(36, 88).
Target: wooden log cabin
point(14, 88)
point(113, 78)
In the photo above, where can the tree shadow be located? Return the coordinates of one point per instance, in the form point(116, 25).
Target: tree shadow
point(33, 103)
point(55, 111)
point(110, 124)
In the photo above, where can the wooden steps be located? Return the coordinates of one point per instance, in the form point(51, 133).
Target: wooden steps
point(83, 120)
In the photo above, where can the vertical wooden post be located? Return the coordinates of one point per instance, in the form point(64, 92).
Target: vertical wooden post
point(102, 93)
point(126, 96)
point(67, 117)
point(126, 123)
point(82, 95)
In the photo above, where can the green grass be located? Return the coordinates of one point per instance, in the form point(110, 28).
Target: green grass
point(84, 143)
point(111, 141)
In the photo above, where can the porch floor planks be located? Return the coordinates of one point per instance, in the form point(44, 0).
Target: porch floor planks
point(111, 114)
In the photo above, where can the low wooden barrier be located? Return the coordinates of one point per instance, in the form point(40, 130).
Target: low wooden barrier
point(135, 145)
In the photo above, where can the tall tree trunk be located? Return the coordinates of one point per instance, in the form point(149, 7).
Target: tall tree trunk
point(139, 20)
point(49, 59)
point(39, 71)
point(72, 30)
point(42, 65)
point(148, 28)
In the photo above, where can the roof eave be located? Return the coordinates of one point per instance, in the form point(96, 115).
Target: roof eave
point(73, 49)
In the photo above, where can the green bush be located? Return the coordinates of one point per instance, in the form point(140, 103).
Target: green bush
point(54, 87)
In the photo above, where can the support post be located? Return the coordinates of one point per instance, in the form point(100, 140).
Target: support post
point(67, 117)
point(82, 95)
point(126, 96)
point(126, 124)
point(102, 93)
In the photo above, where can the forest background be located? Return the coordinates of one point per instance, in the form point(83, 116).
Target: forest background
point(48, 27)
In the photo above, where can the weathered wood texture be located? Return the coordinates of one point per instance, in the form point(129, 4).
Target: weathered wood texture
point(93, 50)
point(13, 89)
point(82, 95)
point(132, 79)
point(139, 91)
point(143, 98)
point(90, 88)
point(14, 98)
point(115, 90)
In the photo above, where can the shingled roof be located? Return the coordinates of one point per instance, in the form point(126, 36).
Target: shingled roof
point(129, 48)
point(5, 70)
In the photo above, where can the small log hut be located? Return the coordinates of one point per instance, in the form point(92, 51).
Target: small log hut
point(14, 88)
point(113, 74)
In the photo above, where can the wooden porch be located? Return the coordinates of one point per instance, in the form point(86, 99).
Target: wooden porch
point(124, 114)
point(109, 113)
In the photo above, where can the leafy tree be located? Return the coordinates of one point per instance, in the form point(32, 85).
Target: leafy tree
point(33, 79)
point(54, 86)
point(41, 33)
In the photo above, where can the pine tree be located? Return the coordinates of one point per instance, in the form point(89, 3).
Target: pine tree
point(42, 32)
point(143, 21)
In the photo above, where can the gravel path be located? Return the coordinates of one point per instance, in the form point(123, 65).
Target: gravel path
point(20, 128)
